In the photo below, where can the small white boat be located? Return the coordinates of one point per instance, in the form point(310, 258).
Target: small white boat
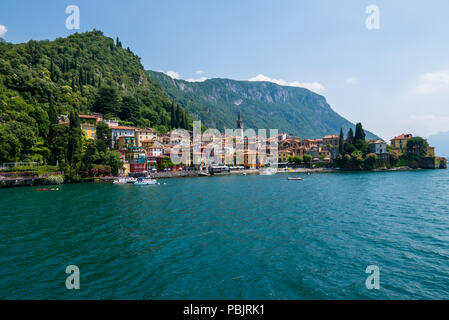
point(124, 180)
point(145, 182)
point(295, 178)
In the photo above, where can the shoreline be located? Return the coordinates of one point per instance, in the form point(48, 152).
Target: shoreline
point(39, 181)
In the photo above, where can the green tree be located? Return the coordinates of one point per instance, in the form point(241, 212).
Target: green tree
point(370, 161)
point(172, 116)
point(307, 158)
point(359, 138)
point(10, 146)
point(104, 134)
point(350, 137)
point(113, 159)
point(417, 146)
point(58, 143)
point(107, 101)
point(178, 117)
point(341, 142)
point(74, 151)
point(129, 108)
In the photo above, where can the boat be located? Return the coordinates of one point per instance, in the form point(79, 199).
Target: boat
point(124, 180)
point(267, 172)
point(120, 181)
point(295, 178)
point(145, 182)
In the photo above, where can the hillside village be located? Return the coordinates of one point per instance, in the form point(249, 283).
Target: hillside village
point(144, 150)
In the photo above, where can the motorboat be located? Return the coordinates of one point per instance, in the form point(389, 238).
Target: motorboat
point(145, 182)
point(295, 178)
point(124, 180)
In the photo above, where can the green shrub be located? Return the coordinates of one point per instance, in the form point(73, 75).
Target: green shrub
point(55, 179)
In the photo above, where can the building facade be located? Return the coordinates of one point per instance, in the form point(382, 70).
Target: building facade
point(121, 131)
point(400, 142)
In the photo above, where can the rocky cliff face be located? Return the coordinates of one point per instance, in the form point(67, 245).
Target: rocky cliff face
point(263, 105)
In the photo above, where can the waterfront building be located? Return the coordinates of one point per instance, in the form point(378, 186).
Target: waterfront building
point(154, 153)
point(379, 147)
point(250, 159)
point(289, 143)
point(324, 154)
point(400, 142)
point(285, 154)
point(332, 140)
point(314, 151)
point(125, 142)
point(309, 143)
point(121, 131)
point(137, 160)
point(144, 135)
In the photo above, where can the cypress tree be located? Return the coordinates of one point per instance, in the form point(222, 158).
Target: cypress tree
point(74, 143)
point(350, 137)
point(341, 142)
point(172, 116)
point(359, 132)
point(52, 114)
point(52, 69)
point(178, 117)
point(185, 123)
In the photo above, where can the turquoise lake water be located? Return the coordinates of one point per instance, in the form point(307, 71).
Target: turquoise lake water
point(231, 237)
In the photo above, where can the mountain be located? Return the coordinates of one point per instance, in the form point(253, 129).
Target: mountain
point(81, 73)
point(262, 104)
point(441, 143)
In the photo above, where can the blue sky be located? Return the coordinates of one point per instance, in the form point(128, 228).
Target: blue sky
point(393, 80)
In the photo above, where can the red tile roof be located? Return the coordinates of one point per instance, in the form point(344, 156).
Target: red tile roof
point(403, 137)
point(86, 116)
point(122, 128)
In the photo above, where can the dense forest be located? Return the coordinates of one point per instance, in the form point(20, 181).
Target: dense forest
point(42, 80)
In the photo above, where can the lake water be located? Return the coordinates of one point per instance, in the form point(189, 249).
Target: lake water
point(231, 237)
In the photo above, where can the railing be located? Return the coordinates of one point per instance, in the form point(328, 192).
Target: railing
point(19, 164)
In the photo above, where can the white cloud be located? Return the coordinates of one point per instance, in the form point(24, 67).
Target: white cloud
point(199, 72)
point(432, 82)
point(197, 80)
point(172, 74)
point(313, 86)
point(3, 30)
point(352, 80)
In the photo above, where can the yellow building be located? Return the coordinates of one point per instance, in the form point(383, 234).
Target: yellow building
point(283, 155)
point(431, 152)
point(251, 159)
point(145, 135)
point(89, 124)
point(400, 142)
point(89, 130)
